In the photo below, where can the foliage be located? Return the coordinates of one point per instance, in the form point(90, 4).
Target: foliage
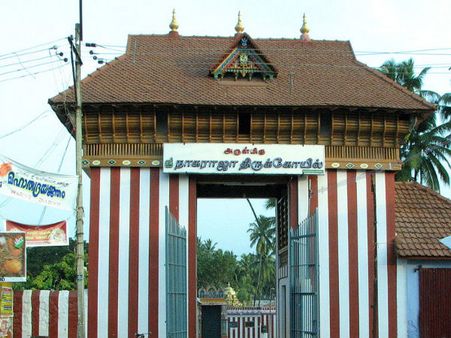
point(426, 149)
point(215, 267)
point(52, 268)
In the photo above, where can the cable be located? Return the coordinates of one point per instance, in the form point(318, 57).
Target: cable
point(38, 72)
point(25, 125)
point(33, 66)
point(50, 149)
point(33, 47)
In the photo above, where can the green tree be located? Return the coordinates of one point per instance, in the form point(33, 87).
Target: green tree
point(426, 149)
point(262, 235)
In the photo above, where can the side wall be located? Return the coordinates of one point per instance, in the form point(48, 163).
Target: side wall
point(409, 294)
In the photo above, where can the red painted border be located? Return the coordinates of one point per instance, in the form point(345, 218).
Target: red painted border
point(192, 258)
point(391, 257)
point(114, 252)
point(133, 252)
point(313, 205)
point(371, 252)
point(174, 196)
point(93, 267)
point(353, 255)
point(53, 313)
point(154, 246)
point(73, 314)
point(17, 323)
point(334, 300)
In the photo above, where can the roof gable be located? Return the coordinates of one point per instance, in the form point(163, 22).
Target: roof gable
point(244, 60)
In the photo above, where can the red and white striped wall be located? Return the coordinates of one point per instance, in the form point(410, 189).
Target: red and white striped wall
point(127, 286)
point(356, 222)
point(50, 314)
point(257, 318)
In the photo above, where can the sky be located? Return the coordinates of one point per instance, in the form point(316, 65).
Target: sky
point(31, 134)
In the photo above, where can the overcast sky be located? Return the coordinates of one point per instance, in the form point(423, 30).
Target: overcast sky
point(418, 27)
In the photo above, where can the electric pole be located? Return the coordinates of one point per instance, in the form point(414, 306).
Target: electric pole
point(80, 211)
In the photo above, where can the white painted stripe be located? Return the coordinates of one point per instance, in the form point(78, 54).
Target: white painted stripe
point(382, 273)
point(323, 256)
point(143, 266)
point(184, 222)
point(362, 243)
point(86, 312)
point(26, 314)
point(343, 251)
point(63, 314)
point(164, 202)
point(104, 251)
point(401, 287)
point(44, 299)
point(124, 252)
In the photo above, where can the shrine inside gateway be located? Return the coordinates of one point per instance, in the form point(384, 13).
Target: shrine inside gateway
point(179, 117)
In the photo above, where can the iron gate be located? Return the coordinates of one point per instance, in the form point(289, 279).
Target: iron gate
point(304, 279)
point(176, 278)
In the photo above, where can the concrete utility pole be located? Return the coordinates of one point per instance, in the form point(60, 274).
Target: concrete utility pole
point(80, 211)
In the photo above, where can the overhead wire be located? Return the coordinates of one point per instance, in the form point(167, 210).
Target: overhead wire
point(25, 125)
point(30, 48)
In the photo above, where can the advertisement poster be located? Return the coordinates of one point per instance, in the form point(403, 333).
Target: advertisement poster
point(43, 235)
point(6, 301)
point(224, 158)
point(12, 257)
point(40, 187)
point(6, 327)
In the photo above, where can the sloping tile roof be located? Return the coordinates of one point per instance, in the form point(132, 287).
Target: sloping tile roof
point(175, 69)
point(422, 218)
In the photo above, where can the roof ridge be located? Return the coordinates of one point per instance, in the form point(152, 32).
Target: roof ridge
point(395, 84)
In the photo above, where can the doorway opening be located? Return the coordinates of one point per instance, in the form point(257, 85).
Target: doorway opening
point(239, 231)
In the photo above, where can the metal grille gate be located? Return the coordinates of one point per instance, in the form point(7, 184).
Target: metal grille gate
point(304, 279)
point(176, 278)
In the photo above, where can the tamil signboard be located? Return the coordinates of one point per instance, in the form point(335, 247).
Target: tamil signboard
point(48, 189)
point(43, 235)
point(222, 158)
point(12, 257)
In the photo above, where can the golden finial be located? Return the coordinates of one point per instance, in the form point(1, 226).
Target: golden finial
point(174, 25)
point(239, 26)
point(305, 30)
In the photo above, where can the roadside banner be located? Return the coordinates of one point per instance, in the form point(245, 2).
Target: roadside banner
point(12, 257)
point(43, 235)
point(35, 186)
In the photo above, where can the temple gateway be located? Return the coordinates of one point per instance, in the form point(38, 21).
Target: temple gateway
point(177, 118)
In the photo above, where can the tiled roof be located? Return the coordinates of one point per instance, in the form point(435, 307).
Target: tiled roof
point(175, 70)
point(422, 218)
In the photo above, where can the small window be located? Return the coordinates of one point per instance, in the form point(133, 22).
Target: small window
point(325, 124)
point(244, 124)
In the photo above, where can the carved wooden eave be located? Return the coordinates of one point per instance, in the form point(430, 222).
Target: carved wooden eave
point(132, 135)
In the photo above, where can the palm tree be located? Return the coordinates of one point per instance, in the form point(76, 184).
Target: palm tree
point(426, 149)
point(262, 235)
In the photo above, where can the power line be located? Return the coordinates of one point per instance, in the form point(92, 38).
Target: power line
point(30, 48)
point(25, 125)
point(35, 73)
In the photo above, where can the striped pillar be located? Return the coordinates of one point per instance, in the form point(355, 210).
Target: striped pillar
point(356, 222)
point(127, 286)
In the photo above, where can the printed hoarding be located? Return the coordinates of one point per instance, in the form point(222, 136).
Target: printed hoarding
point(12, 257)
point(43, 235)
point(221, 158)
point(48, 189)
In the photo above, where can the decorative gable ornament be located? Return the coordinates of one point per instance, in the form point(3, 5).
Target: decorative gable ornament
point(244, 61)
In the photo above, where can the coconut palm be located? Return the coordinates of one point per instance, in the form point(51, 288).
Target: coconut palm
point(426, 149)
